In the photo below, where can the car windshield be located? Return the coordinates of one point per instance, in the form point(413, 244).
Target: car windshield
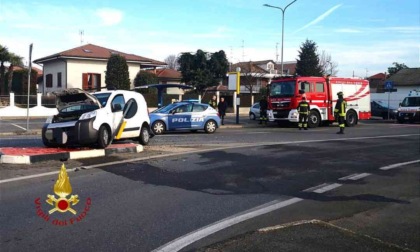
point(411, 102)
point(282, 89)
point(80, 108)
point(103, 98)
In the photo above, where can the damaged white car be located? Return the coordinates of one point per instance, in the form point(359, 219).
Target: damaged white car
point(97, 119)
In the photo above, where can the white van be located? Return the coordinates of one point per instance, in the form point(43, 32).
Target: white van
point(97, 119)
point(409, 110)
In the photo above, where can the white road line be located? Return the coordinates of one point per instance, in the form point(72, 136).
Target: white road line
point(398, 165)
point(355, 176)
point(311, 189)
point(199, 234)
point(327, 188)
point(206, 150)
point(18, 126)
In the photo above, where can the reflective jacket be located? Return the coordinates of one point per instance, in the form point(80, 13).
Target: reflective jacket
point(340, 107)
point(303, 107)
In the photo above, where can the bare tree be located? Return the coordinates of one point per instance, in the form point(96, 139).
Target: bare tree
point(328, 66)
point(172, 62)
point(250, 75)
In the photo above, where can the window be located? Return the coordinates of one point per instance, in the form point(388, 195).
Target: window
point(59, 79)
point(49, 80)
point(131, 105)
point(319, 87)
point(91, 81)
point(199, 108)
point(119, 99)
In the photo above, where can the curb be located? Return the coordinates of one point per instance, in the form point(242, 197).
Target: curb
point(60, 154)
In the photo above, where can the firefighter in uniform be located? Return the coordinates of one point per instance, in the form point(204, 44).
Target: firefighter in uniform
point(340, 112)
point(263, 110)
point(303, 109)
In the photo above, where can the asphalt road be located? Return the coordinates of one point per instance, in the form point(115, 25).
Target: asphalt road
point(140, 203)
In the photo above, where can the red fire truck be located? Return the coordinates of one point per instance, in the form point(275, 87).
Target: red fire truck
point(285, 93)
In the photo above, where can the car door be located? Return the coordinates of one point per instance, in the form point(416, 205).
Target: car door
point(117, 105)
point(198, 116)
point(180, 117)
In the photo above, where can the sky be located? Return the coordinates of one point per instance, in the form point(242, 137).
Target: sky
point(363, 37)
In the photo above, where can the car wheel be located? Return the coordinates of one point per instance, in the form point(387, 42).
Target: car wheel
point(251, 116)
point(210, 126)
point(103, 137)
point(144, 136)
point(351, 118)
point(158, 127)
point(313, 119)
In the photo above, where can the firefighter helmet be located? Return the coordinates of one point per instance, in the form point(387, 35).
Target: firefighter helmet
point(340, 93)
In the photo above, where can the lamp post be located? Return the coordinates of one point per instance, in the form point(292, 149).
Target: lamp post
point(282, 29)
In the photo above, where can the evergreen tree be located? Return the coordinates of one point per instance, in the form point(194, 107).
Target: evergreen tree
point(308, 62)
point(203, 69)
point(117, 75)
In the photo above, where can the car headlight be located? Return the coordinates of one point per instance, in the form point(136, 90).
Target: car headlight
point(88, 115)
point(49, 119)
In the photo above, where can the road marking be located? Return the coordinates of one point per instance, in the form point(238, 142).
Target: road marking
point(189, 152)
point(18, 126)
point(311, 189)
point(201, 233)
point(398, 165)
point(355, 176)
point(327, 188)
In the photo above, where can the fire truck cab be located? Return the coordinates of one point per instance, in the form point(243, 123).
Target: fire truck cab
point(285, 93)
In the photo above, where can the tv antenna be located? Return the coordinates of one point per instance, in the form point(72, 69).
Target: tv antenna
point(81, 33)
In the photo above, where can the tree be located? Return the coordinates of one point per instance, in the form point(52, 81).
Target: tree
point(145, 78)
point(14, 60)
point(172, 62)
point(326, 64)
point(308, 62)
point(397, 67)
point(117, 75)
point(202, 70)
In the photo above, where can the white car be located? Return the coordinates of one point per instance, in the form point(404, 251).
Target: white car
point(97, 119)
point(254, 111)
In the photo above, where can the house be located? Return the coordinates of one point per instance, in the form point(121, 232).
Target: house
point(404, 81)
point(376, 82)
point(257, 74)
point(169, 76)
point(84, 67)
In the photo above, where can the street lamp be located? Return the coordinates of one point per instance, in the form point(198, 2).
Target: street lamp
point(282, 29)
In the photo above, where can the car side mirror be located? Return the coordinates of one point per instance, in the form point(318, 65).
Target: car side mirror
point(400, 104)
point(116, 107)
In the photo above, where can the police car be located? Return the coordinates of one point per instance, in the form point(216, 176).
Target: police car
point(184, 116)
point(97, 119)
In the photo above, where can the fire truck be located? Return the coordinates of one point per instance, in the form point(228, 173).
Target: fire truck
point(285, 93)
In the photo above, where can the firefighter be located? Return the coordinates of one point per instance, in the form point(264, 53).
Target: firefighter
point(340, 112)
point(263, 110)
point(303, 109)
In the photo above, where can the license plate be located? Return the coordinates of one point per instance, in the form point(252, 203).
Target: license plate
point(406, 118)
point(274, 112)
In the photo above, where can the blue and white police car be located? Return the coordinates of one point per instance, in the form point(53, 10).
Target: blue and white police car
point(184, 116)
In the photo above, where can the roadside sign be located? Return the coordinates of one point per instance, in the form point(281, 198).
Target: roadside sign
point(234, 81)
point(389, 85)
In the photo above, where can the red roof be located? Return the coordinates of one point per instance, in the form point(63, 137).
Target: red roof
point(168, 73)
point(378, 76)
point(91, 51)
point(17, 68)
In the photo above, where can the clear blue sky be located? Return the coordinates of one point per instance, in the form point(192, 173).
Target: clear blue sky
point(362, 37)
